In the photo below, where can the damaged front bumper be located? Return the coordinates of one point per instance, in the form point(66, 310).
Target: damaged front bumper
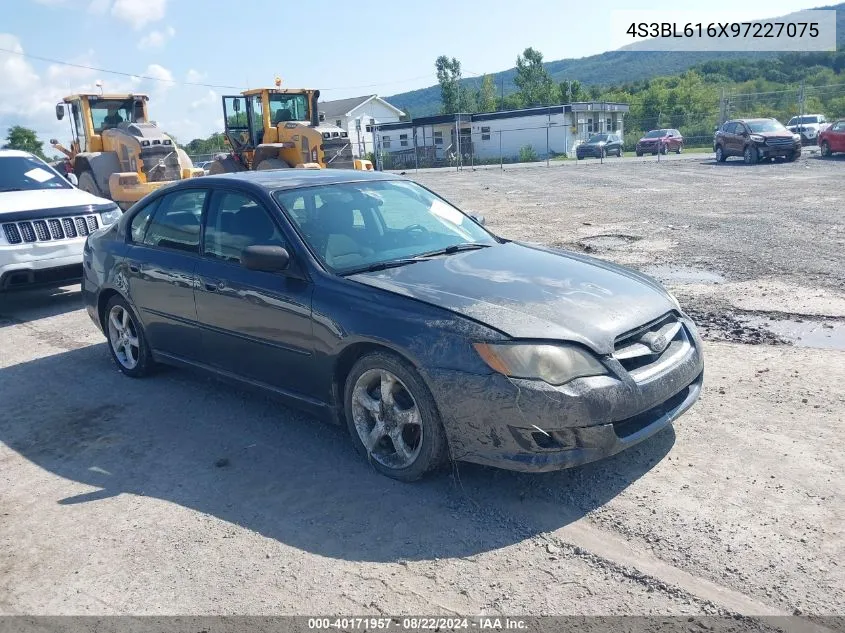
point(531, 426)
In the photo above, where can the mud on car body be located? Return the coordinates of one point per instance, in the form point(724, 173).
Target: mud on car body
point(367, 299)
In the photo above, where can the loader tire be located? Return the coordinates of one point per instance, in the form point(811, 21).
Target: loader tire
point(226, 165)
point(89, 185)
point(272, 163)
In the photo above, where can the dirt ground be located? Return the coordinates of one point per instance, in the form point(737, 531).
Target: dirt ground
point(179, 495)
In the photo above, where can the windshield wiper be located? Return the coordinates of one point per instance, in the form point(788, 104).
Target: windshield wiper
point(391, 263)
point(395, 263)
point(455, 248)
point(11, 189)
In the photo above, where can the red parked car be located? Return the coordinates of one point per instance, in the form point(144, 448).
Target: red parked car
point(661, 141)
point(833, 138)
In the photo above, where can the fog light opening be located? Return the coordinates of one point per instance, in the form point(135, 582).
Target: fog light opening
point(545, 441)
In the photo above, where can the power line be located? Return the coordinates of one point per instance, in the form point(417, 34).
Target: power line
point(189, 83)
point(112, 72)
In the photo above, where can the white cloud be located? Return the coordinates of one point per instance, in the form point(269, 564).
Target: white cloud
point(139, 13)
point(156, 39)
point(28, 97)
point(99, 7)
point(209, 99)
point(194, 76)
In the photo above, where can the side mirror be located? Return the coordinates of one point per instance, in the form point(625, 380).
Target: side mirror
point(60, 111)
point(72, 179)
point(269, 259)
point(54, 141)
point(478, 218)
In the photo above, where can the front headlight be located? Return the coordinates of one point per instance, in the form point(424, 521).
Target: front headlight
point(110, 217)
point(554, 364)
point(796, 137)
point(757, 138)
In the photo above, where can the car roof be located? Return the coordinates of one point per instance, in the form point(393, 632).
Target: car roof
point(14, 152)
point(276, 179)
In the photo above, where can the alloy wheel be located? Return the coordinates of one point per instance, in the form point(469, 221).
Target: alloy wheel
point(123, 337)
point(387, 419)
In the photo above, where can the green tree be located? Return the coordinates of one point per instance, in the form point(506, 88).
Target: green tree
point(467, 101)
point(534, 83)
point(486, 99)
point(449, 78)
point(571, 91)
point(24, 139)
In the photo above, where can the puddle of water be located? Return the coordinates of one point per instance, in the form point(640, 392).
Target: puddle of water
point(684, 275)
point(607, 241)
point(805, 333)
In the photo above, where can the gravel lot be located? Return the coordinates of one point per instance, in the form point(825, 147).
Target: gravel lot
point(176, 495)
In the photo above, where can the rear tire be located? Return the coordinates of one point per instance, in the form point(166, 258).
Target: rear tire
point(639, 154)
point(420, 431)
point(127, 342)
point(272, 163)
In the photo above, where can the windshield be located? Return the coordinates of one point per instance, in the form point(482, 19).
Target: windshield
point(598, 138)
point(353, 225)
point(292, 107)
point(797, 120)
point(656, 134)
point(24, 173)
point(766, 126)
point(107, 113)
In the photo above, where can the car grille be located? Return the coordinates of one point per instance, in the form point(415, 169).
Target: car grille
point(51, 229)
point(774, 141)
point(653, 348)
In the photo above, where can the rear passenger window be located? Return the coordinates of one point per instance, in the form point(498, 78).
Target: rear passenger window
point(138, 227)
point(176, 223)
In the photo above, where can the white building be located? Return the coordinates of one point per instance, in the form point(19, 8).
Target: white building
point(359, 116)
point(511, 134)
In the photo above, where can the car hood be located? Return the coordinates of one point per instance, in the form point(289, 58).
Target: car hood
point(46, 199)
point(651, 140)
point(532, 292)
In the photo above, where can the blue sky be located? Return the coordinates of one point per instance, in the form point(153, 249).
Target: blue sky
point(344, 49)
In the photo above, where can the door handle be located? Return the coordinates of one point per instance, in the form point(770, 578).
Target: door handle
point(213, 286)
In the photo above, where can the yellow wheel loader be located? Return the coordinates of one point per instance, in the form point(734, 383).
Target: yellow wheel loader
point(279, 128)
point(116, 151)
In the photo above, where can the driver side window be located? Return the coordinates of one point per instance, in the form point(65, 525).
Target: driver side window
point(234, 222)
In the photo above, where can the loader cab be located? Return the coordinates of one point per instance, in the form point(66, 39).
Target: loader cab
point(254, 116)
point(92, 114)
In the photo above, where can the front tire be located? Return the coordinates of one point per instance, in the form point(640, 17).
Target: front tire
point(825, 149)
point(750, 155)
point(272, 163)
point(392, 417)
point(680, 148)
point(794, 156)
point(226, 165)
point(720, 154)
point(127, 342)
point(89, 185)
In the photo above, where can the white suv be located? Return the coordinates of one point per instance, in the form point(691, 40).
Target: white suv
point(44, 221)
point(808, 126)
